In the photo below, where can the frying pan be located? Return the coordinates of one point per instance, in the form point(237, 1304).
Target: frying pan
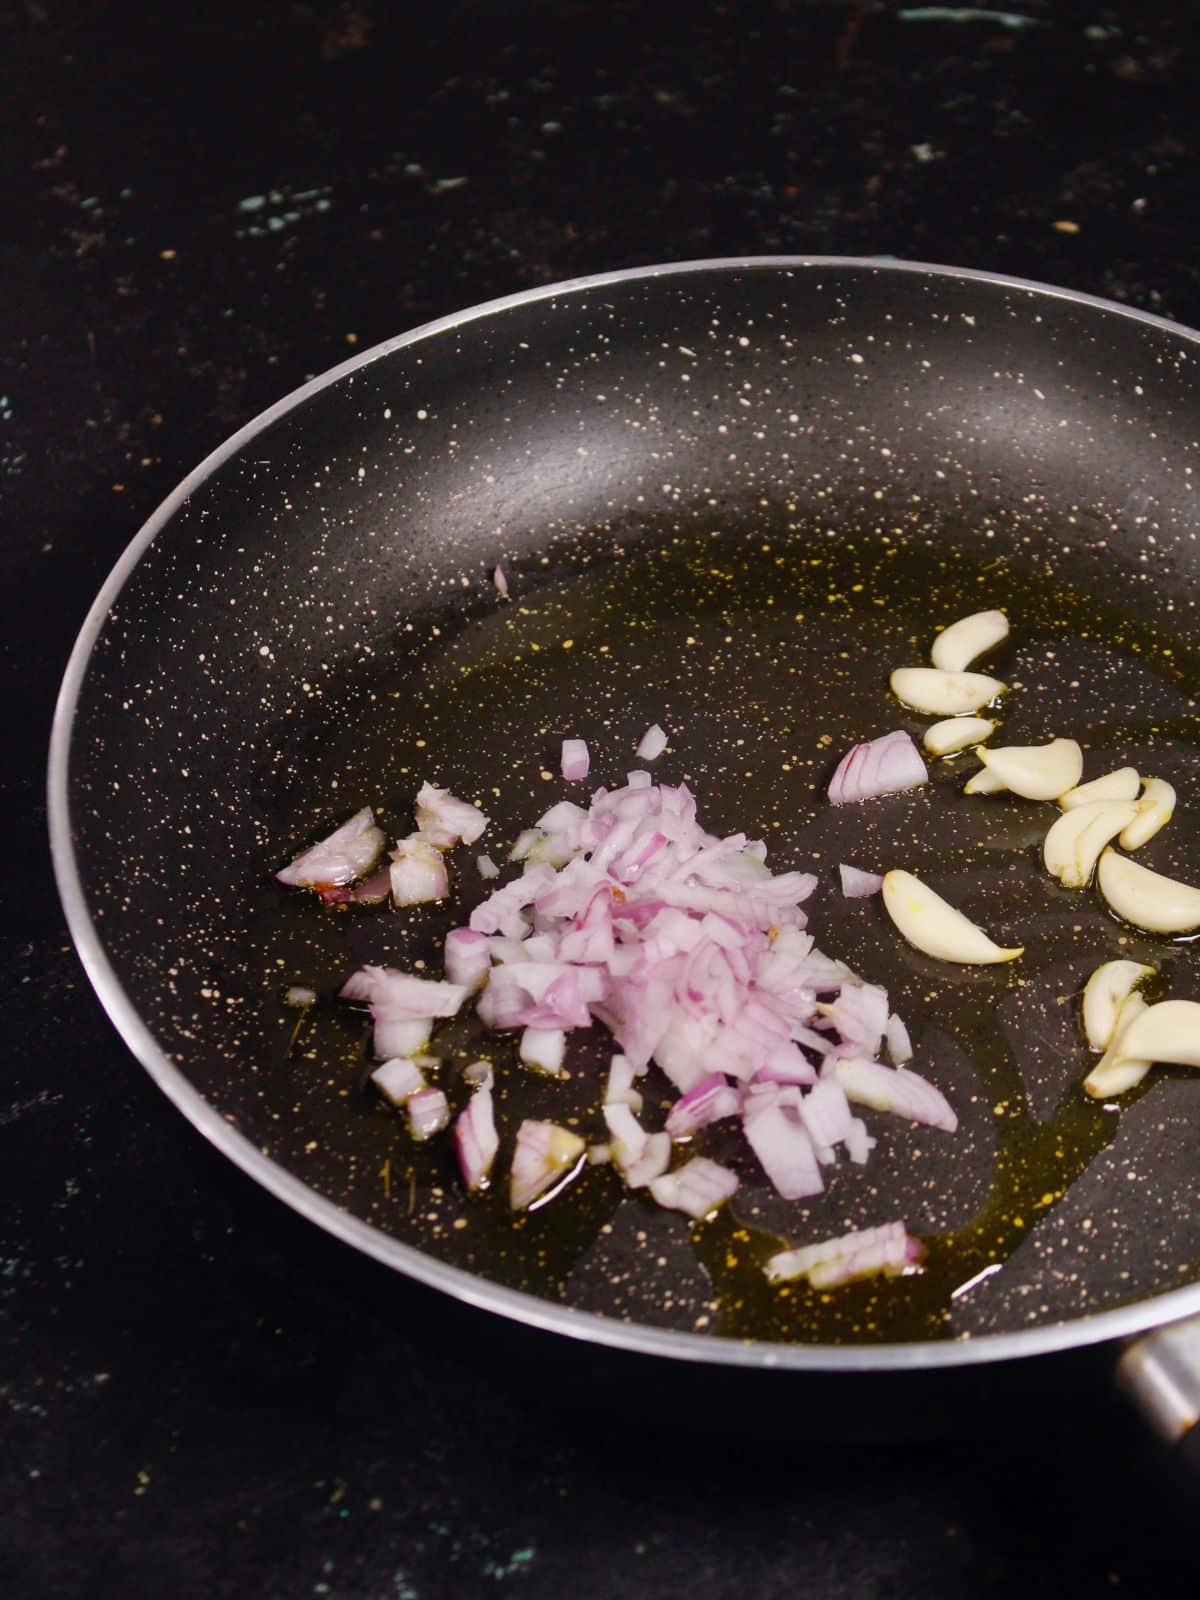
point(730, 496)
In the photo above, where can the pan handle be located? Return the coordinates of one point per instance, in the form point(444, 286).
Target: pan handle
point(1160, 1373)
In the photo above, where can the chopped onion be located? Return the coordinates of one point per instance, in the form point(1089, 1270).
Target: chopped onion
point(345, 855)
point(651, 1164)
point(300, 997)
point(543, 1155)
point(620, 1090)
point(543, 1049)
point(857, 885)
point(859, 1142)
point(500, 579)
point(445, 821)
point(575, 759)
point(710, 1101)
point(428, 1113)
point(475, 1138)
point(890, 1249)
point(785, 1150)
point(373, 890)
point(487, 867)
point(652, 744)
point(886, 765)
point(895, 1089)
point(468, 957)
point(402, 1007)
point(898, 1042)
point(418, 873)
point(398, 1080)
point(697, 1188)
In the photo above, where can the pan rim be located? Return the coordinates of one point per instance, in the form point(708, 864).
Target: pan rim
point(466, 1287)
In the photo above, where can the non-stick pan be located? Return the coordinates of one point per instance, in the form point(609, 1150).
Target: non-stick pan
point(729, 497)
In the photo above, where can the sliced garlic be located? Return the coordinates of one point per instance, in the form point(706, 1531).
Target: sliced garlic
point(956, 733)
point(1119, 785)
point(1073, 845)
point(1036, 771)
point(956, 647)
point(932, 925)
point(1168, 1033)
point(1105, 992)
point(944, 694)
point(984, 782)
point(1115, 1072)
point(1147, 899)
point(1154, 811)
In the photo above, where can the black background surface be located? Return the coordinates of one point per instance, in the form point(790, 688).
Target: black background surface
point(202, 206)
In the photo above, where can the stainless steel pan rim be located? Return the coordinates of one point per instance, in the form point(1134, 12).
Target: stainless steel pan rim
point(1123, 1322)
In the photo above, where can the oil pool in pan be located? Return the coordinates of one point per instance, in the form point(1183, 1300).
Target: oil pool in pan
point(765, 653)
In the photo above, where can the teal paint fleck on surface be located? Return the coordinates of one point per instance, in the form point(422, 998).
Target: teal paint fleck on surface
point(252, 202)
point(518, 1562)
point(1005, 19)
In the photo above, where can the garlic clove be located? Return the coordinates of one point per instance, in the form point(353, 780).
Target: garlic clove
point(984, 782)
point(1115, 1072)
point(956, 647)
point(1073, 845)
point(957, 733)
point(930, 924)
point(944, 694)
point(1036, 771)
point(1168, 1033)
point(1119, 785)
point(1147, 899)
point(1105, 992)
point(1154, 811)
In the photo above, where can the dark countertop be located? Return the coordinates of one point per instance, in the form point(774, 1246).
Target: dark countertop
point(202, 207)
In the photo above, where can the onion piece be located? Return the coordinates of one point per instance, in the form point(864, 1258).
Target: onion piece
point(785, 1151)
point(887, 765)
point(889, 1249)
point(652, 744)
point(710, 1101)
point(697, 1188)
point(856, 884)
point(859, 1142)
point(543, 1155)
point(500, 579)
point(446, 821)
point(373, 890)
point(475, 1138)
point(620, 1090)
point(899, 1043)
point(575, 759)
point(348, 853)
point(468, 957)
point(403, 995)
point(398, 1080)
point(543, 1049)
point(428, 1113)
point(418, 873)
point(300, 996)
point(487, 867)
point(895, 1089)
point(651, 1164)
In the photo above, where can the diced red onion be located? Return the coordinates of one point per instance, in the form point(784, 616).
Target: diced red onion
point(697, 1188)
point(898, 1042)
point(708, 1102)
point(398, 1080)
point(890, 1249)
point(543, 1049)
point(620, 1090)
point(428, 1113)
point(629, 1138)
point(445, 821)
point(886, 765)
point(418, 873)
point(651, 1164)
point(345, 855)
point(856, 884)
point(575, 760)
point(403, 995)
point(487, 867)
point(825, 1112)
point(652, 744)
point(375, 889)
point(500, 579)
point(300, 996)
point(544, 1154)
point(468, 957)
point(895, 1089)
point(399, 1036)
point(475, 1138)
point(785, 1151)
point(859, 1142)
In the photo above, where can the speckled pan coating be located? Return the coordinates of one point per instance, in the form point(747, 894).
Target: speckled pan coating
point(336, 554)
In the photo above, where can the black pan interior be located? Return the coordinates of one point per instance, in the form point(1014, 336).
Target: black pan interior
point(730, 500)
